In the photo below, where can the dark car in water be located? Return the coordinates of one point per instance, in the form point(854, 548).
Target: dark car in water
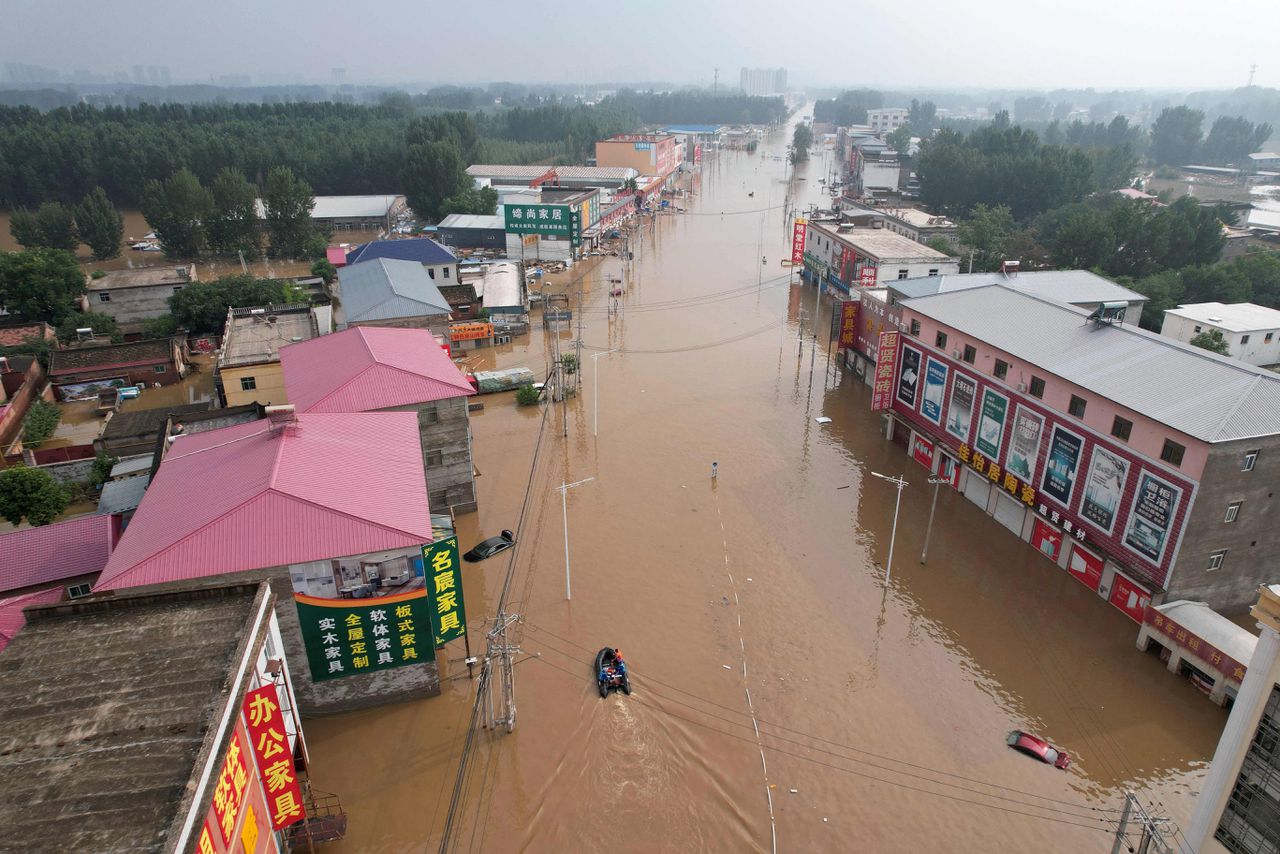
point(1038, 748)
point(490, 547)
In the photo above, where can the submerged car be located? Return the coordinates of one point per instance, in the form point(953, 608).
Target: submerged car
point(490, 547)
point(1038, 748)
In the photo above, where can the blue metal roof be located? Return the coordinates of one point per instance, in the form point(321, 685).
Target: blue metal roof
point(424, 250)
point(387, 289)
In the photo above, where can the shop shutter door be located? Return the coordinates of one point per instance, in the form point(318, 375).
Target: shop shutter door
point(978, 490)
point(1011, 513)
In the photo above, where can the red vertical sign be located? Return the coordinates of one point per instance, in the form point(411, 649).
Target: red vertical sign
point(886, 364)
point(867, 276)
point(270, 742)
point(1085, 566)
point(797, 241)
point(848, 324)
point(1129, 597)
point(228, 792)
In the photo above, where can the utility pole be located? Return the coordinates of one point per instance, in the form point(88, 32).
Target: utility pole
point(1151, 838)
point(937, 482)
point(899, 482)
point(715, 80)
point(595, 390)
point(563, 489)
point(501, 653)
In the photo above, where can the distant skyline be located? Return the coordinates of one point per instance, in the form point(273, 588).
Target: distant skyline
point(1172, 44)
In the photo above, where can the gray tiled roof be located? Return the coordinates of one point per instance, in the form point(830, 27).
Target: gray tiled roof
point(1196, 392)
point(1070, 286)
point(386, 288)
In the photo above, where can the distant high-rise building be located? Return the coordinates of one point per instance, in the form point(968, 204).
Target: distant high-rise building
point(164, 75)
point(139, 74)
point(153, 75)
point(764, 81)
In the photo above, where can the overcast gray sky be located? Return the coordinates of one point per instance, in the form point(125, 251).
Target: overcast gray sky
point(981, 43)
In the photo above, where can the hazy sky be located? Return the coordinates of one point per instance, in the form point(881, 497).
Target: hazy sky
point(908, 43)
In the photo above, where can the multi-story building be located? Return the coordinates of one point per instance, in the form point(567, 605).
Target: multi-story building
point(1141, 465)
point(248, 369)
point(1252, 332)
point(920, 226)
point(887, 119)
point(847, 257)
point(133, 297)
point(650, 154)
point(763, 81)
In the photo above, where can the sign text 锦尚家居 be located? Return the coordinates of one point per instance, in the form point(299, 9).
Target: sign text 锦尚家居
point(547, 220)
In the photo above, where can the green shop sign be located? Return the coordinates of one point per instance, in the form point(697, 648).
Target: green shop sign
point(562, 221)
point(345, 637)
point(444, 587)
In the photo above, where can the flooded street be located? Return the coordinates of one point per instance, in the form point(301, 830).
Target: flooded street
point(783, 692)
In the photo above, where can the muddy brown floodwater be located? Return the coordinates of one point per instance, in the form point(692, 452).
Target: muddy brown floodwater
point(782, 690)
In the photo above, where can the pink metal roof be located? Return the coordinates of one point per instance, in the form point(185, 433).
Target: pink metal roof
point(51, 553)
point(337, 256)
point(367, 368)
point(252, 496)
point(11, 617)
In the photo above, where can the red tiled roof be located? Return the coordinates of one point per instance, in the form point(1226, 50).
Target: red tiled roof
point(13, 335)
point(51, 553)
point(111, 356)
point(11, 617)
point(252, 496)
point(366, 368)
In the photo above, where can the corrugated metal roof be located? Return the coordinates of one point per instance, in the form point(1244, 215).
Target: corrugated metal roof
point(250, 496)
point(501, 170)
point(1068, 286)
point(423, 250)
point(880, 243)
point(1196, 392)
point(603, 173)
point(385, 288)
point(120, 496)
point(344, 207)
point(1233, 317)
point(1235, 641)
point(11, 617)
point(472, 221)
point(367, 368)
point(49, 553)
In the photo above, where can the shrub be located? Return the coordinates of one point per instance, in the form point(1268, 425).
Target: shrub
point(42, 419)
point(527, 395)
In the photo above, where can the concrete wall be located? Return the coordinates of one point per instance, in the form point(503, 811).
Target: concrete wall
point(268, 379)
point(444, 426)
point(437, 324)
point(75, 471)
point(1251, 541)
point(133, 306)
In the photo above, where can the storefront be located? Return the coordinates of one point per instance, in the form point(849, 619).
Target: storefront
point(1085, 566)
point(1010, 512)
point(1129, 596)
point(1046, 539)
point(1198, 644)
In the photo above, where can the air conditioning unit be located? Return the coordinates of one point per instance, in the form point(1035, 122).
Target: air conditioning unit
point(955, 354)
point(1022, 387)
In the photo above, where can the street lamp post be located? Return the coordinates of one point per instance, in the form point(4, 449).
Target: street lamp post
point(937, 482)
point(595, 390)
point(899, 482)
point(563, 489)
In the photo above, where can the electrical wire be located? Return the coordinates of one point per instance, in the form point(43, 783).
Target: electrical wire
point(705, 346)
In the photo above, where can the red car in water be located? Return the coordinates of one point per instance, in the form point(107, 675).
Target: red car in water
point(1038, 748)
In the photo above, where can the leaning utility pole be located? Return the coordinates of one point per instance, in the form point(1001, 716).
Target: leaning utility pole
point(1151, 829)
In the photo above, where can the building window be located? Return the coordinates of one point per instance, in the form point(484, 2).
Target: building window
point(431, 272)
point(1121, 428)
point(160, 369)
point(1002, 369)
point(1037, 387)
point(78, 590)
point(1076, 407)
point(1233, 511)
point(970, 354)
point(940, 340)
point(430, 415)
point(1197, 329)
point(1244, 339)
point(1172, 452)
point(446, 272)
point(902, 274)
point(434, 459)
point(915, 327)
point(1250, 460)
point(177, 289)
point(933, 272)
point(248, 383)
point(1216, 558)
point(104, 296)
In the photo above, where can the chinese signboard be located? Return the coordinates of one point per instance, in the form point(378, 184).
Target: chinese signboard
point(1195, 645)
point(1152, 516)
point(1024, 444)
point(444, 584)
point(995, 407)
point(909, 377)
point(1060, 469)
point(1046, 539)
point(470, 331)
point(960, 415)
point(848, 324)
point(882, 390)
point(935, 385)
point(345, 637)
point(922, 450)
point(867, 276)
point(1129, 597)
point(1085, 567)
point(797, 241)
point(1103, 488)
point(546, 220)
point(270, 741)
point(228, 792)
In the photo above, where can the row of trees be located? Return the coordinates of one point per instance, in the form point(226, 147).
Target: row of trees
point(1177, 138)
point(53, 225)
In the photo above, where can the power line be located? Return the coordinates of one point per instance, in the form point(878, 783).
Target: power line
point(706, 346)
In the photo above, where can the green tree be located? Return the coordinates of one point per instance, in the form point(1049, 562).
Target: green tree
point(102, 465)
point(922, 116)
point(201, 307)
point(40, 284)
point(289, 202)
point(473, 200)
point(1083, 241)
point(986, 235)
point(527, 395)
point(101, 225)
point(1163, 292)
point(163, 326)
point(1212, 340)
point(40, 422)
point(233, 223)
point(433, 172)
point(103, 326)
point(900, 140)
point(325, 270)
point(31, 494)
point(25, 228)
point(177, 209)
point(1175, 136)
point(801, 139)
point(1233, 139)
point(57, 225)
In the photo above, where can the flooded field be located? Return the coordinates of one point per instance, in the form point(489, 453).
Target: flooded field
point(785, 697)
